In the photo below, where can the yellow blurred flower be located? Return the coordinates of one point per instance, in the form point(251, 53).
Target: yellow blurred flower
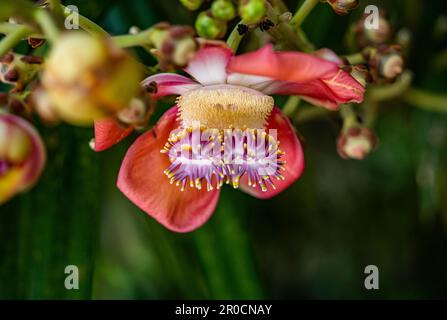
point(89, 78)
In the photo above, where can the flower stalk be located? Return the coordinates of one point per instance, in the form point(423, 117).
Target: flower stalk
point(291, 106)
point(355, 58)
point(302, 13)
point(87, 25)
point(13, 38)
point(284, 34)
point(140, 39)
point(45, 20)
point(426, 100)
point(235, 37)
point(393, 90)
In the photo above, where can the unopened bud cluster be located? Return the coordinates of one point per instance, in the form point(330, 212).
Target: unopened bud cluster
point(212, 23)
point(19, 70)
point(174, 45)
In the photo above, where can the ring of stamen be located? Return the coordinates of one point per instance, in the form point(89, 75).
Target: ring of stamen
point(200, 155)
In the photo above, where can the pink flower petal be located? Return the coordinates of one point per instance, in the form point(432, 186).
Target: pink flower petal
point(108, 132)
point(328, 92)
point(142, 180)
point(255, 82)
point(294, 157)
point(329, 55)
point(209, 65)
point(286, 66)
point(169, 84)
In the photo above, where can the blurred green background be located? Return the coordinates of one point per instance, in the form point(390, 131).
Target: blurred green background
point(312, 241)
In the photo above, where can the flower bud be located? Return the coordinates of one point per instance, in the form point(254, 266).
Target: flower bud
point(209, 27)
point(391, 65)
point(252, 11)
point(179, 45)
point(342, 7)
point(223, 10)
point(386, 63)
point(191, 4)
point(371, 36)
point(89, 78)
point(22, 156)
point(137, 113)
point(356, 143)
point(19, 70)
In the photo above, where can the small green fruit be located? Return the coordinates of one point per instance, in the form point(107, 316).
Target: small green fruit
point(209, 27)
point(223, 10)
point(252, 11)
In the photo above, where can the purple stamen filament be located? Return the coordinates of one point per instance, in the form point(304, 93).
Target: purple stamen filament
point(218, 156)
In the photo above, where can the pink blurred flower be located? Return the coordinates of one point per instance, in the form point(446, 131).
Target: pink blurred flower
point(22, 156)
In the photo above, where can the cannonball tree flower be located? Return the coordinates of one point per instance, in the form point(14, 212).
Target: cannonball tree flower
point(227, 92)
point(22, 156)
point(88, 78)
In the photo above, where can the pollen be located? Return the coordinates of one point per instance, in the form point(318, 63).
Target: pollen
point(225, 106)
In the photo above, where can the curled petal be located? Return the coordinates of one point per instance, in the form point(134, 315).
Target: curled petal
point(285, 66)
point(209, 65)
point(293, 156)
point(108, 132)
point(142, 180)
point(22, 156)
point(328, 92)
point(164, 84)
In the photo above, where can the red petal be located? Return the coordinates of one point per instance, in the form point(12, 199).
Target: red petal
point(286, 66)
point(170, 83)
point(294, 157)
point(329, 92)
point(209, 65)
point(109, 132)
point(142, 180)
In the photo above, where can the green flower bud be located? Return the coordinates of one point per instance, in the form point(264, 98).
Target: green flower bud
point(209, 27)
point(223, 10)
point(252, 11)
point(192, 4)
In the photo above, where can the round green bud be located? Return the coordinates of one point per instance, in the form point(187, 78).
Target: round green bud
point(223, 10)
point(252, 11)
point(192, 4)
point(209, 27)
